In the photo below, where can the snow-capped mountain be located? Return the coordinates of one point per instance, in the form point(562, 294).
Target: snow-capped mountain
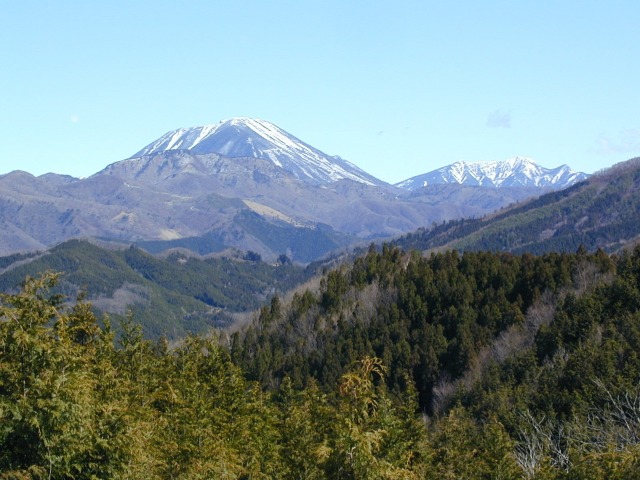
point(514, 172)
point(247, 137)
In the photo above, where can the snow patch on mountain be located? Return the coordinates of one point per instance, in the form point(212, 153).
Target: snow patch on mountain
point(513, 172)
point(247, 137)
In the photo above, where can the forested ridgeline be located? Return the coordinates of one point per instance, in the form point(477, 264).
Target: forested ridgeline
point(431, 320)
point(547, 346)
point(470, 366)
point(171, 296)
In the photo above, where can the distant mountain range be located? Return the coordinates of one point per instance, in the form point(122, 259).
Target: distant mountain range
point(242, 184)
point(194, 294)
point(514, 172)
point(600, 212)
point(246, 137)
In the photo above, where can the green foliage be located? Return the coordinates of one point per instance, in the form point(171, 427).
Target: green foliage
point(427, 318)
point(363, 441)
point(527, 364)
point(72, 405)
point(16, 257)
point(464, 448)
point(52, 362)
point(520, 367)
point(170, 297)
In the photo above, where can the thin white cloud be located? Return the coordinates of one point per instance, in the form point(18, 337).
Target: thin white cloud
point(74, 118)
point(499, 119)
point(628, 141)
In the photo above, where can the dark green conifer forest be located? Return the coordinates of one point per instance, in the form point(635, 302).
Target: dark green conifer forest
point(399, 366)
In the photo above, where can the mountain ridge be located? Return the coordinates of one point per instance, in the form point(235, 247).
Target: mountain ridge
point(173, 295)
point(512, 172)
point(600, 212)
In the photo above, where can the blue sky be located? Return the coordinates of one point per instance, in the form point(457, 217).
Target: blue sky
point(398, 88)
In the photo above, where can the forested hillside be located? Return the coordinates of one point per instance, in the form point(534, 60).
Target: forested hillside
point(170, 296)
point(474, 366)
point(544, 345)
point(430, 319)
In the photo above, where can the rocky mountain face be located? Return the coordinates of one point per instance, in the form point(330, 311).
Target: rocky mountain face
point(242, 184)
point(514, 172)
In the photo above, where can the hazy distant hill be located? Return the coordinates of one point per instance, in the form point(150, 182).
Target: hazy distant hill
point(601, 212)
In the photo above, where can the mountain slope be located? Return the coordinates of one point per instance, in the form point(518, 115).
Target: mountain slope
point(177, 198)
point(514, 172)
point(601, 212)
point(172, 296)
point(350, 208)
point(280, 196)
point(246, 137)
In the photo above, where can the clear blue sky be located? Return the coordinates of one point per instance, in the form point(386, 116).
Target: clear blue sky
point(397, 87)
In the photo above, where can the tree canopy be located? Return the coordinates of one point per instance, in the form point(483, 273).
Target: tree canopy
point(399, 366)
